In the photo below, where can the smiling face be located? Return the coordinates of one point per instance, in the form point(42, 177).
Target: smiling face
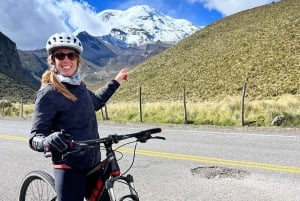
point(66, 61)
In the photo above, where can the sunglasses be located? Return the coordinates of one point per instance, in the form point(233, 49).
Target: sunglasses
point(61, 56)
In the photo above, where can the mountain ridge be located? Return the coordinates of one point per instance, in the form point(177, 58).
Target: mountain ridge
point(103, 55)
point(259, 46)
point(140, 25)
point(15, 81)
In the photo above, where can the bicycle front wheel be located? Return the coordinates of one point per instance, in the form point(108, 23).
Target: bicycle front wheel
point(37, 186)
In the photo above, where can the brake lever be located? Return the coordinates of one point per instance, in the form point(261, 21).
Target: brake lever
point(71, 152)
point(145, 138)
point(47, 154)
point(74, 148)
point(159, 137)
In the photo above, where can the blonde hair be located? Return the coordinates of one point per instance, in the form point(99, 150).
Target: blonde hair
point(49, 78)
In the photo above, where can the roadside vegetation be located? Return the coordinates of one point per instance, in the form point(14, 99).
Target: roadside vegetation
point(222, 113)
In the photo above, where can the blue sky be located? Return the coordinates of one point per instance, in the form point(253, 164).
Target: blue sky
point(194, 12)
point(29, 23)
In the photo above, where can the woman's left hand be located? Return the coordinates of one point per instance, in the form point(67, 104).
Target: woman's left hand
point(122, 75)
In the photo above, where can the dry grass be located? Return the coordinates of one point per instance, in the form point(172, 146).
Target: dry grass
point(224, 113)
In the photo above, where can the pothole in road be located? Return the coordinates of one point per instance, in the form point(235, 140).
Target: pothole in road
point(214, 172)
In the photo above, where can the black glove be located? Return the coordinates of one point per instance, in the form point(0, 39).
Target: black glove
point(57, 142)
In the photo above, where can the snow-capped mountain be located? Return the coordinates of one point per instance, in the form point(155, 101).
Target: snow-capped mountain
point(140, 25)
point(124, 38)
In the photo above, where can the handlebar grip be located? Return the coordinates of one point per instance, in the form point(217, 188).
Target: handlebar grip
point(151, 131)
point(145, 135)
point(48, 153)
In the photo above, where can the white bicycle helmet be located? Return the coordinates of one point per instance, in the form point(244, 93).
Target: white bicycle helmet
point(63, 40)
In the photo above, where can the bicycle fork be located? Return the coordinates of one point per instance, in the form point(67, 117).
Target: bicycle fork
point(109, 184)
point(116, 175)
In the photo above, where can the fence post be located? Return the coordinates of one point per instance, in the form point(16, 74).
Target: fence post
point(140, 100)
point(106, 112)
point(184, 106)
point(103, 117)
point(243, 104)
point(21, 112)
point(3, 109)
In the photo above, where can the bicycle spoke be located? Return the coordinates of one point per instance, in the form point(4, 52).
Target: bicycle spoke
point(39, 190)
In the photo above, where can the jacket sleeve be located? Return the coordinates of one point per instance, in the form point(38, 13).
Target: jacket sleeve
point(43, 118)
point(100, 99)
point(36, 142)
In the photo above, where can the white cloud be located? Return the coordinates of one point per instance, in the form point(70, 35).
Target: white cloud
point(80, 16)
point(29, 23)
point(229, 7)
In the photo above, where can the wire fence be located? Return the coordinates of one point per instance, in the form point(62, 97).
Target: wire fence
point(6, 107)
point(105, 112)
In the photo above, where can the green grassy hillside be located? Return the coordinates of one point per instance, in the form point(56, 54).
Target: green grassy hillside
point(260, 46)
point(15, 91)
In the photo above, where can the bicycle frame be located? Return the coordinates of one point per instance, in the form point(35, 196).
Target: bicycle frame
point(110, 173)
point(39, 185)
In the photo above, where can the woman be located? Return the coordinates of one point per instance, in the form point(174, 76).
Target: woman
point(65, 111)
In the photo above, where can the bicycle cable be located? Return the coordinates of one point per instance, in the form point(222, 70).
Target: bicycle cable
point(131, 165)
point(133, 157)
point(130, 187)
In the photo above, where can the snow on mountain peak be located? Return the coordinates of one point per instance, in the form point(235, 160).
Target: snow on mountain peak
point(142, 24)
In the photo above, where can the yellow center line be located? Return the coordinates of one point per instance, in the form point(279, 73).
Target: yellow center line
point(10, 137)
point(265, 166)
point(220, 161)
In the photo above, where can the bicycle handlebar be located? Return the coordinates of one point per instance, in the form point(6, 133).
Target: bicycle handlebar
point(141, 136)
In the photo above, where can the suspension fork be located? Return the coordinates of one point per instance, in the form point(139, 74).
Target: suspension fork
point(129, 180)
point(110, 169)
point(115, 175)
point(109, 184)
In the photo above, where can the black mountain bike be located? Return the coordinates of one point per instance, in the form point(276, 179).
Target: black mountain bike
point(39, 185)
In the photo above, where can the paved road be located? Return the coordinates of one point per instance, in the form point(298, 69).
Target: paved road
point(195, 163)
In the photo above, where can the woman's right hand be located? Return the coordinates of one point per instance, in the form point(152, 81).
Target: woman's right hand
point(57, 142)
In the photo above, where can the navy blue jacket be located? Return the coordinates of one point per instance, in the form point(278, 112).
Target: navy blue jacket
point(54, 112)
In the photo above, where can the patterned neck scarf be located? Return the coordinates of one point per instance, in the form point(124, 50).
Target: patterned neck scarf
point(75, 80)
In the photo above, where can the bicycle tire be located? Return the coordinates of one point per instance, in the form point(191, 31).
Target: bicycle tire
point(37, 185)
point(129, 198)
